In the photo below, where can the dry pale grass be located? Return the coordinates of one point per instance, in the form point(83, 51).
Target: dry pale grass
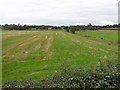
point(33, 44)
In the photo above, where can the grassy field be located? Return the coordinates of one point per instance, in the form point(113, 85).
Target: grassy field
point(37, 54)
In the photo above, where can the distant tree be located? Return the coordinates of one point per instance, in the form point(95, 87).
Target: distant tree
point(67, 30)
point(89, 27)
point(115, 26)
point(83, 27)
point(72, 29)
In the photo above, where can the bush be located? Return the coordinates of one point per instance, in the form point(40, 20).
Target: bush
point(67, 30)
point(73, 31)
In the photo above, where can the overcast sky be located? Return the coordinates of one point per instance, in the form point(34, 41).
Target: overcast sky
point(59, 12)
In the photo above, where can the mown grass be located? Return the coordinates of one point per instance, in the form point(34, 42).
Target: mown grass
point(103, 35)
point(25, 57)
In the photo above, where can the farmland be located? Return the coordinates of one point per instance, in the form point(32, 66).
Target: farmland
point(37, 54)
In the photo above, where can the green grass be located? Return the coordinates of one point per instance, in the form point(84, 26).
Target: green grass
point(0, 58)
point(37, 54)
point(104, 35)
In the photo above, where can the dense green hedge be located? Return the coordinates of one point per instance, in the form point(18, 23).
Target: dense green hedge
point(105, 75)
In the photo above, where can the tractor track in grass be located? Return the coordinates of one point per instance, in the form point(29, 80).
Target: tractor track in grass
point(15, 45)
point(20, 44)
point(32, 45)
point(45, 46)
point(40, 50)
point(15, 33)
point(14, 39)
point(26, 48)
point(89, 43)
point(100, 40)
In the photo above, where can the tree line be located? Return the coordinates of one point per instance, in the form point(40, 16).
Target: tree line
point(68, 28)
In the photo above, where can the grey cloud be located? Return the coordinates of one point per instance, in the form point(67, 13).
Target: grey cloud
point(59, 12)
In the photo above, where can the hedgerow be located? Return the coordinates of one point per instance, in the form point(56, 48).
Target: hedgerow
point(105, 75)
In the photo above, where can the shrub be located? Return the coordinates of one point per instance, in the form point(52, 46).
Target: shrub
point(67, 30)
point(73, 31)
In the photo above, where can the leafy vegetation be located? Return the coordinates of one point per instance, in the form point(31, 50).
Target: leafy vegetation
point(105, 75)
